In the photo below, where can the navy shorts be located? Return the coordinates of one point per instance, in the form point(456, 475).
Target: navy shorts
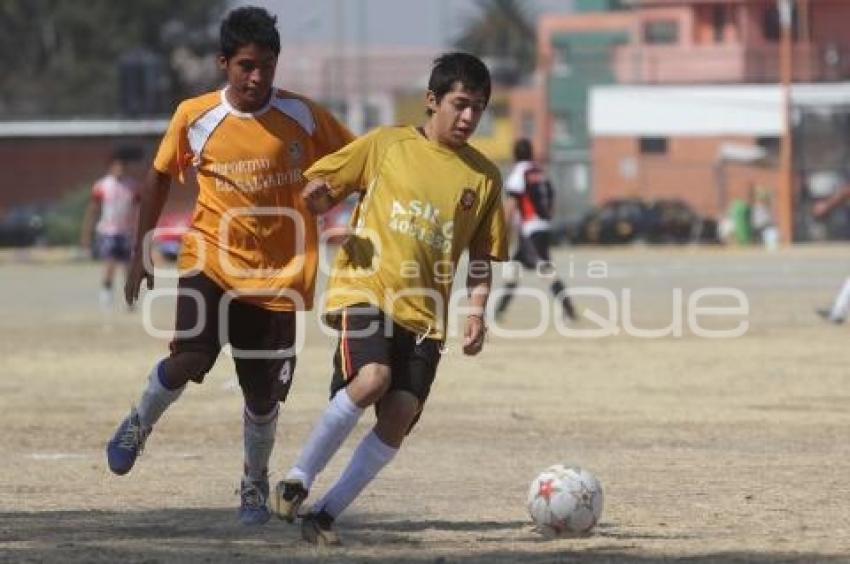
point(368, 335)
point(115, 247)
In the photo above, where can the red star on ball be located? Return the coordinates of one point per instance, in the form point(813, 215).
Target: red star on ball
point(546, 489)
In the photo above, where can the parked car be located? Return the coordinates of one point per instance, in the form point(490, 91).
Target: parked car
point(616, 221)
point(169, 233)
point(674, 221)
point(660, 221)
point(22, 226)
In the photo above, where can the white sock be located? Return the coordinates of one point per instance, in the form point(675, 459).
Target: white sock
point(259, 432)
point(371, 455)
point(842, 302)
point(336, 423)
point(155, 399)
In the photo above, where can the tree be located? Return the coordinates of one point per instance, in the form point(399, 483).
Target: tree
point(61, 57)
point(503, 32)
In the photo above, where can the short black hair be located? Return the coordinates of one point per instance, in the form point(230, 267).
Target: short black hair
point(523, 150)
point(467, 69)
point(247, 25)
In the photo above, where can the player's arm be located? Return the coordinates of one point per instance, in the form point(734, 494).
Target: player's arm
point(479, 281)
point(319, 196)
point(823, 207)
point(333, 177)
point(511, 205)
point(153, 197)
point(93, 210)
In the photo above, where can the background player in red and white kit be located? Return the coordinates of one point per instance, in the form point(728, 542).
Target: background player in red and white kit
point(532, 197)
point(114, 205)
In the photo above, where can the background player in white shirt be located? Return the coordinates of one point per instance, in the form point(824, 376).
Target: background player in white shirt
point(113, 205)
point(532, 197)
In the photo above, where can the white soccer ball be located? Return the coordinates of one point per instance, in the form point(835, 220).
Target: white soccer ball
point(565, 501)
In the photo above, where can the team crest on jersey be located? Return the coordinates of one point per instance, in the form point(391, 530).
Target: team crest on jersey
point(295, 151)
point(467, 199)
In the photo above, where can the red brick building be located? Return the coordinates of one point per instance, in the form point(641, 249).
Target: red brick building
point(42, 161)
point(621, 62)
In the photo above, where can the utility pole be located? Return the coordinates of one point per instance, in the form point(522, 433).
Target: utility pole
point(785, 194)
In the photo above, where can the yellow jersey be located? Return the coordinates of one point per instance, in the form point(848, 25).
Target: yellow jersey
point(421, 206)
point(250, 230)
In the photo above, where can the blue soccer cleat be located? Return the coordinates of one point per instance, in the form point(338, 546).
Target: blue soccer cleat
point(253, 507)
point(127, 444)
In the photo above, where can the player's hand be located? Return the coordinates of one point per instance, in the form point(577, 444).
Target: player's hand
point(473, 335)
point(135, 274)
point(317, 196)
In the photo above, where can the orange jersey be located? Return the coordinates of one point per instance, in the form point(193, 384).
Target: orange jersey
point(250, 229)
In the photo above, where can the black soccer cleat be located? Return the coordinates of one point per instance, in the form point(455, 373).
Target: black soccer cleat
point(288, 497)
point(827, 316)
point(317, 528)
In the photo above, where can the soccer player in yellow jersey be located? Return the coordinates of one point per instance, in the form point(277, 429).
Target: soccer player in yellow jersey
point(427, 196)
point(248, 262)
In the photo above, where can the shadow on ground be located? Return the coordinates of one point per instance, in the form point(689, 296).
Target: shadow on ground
point(212, 535)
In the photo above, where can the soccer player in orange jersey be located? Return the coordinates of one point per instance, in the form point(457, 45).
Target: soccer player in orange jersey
point(426, 197)
point(248, 262)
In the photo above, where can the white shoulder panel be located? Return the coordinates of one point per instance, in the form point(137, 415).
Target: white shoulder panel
point(297, 110)
point(203, 127)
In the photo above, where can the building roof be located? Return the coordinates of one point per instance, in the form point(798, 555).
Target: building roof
point(82, 128)
point(703, 110)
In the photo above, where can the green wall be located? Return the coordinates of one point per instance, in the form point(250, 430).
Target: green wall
point(588, 57)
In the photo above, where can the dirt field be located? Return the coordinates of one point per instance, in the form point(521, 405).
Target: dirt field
point(709, 449)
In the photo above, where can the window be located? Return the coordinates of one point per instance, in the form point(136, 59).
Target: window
point(653, 145)
point(718, 22)
point(561, 128)
point(772, 26)
point(661, 32)
point(770, 144)
point(561, 61)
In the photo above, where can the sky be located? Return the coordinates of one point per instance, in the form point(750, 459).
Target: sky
point(413, 23)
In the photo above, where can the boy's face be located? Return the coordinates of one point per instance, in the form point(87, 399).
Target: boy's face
point(117, 167)
point(456, 116)
point(250, 73)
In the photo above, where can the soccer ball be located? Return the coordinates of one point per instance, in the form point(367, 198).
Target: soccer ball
point(565, 501)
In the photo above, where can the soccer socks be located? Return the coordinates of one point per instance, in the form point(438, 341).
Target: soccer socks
point(259, 431)
point(336, 423)
point(505, 299)
point(559, 291)
point(842, 303)
point(371, 455)
point(156, 398)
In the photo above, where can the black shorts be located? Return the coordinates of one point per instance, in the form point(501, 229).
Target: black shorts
point(533, 250)
point(367, 335)
point(262, 340)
